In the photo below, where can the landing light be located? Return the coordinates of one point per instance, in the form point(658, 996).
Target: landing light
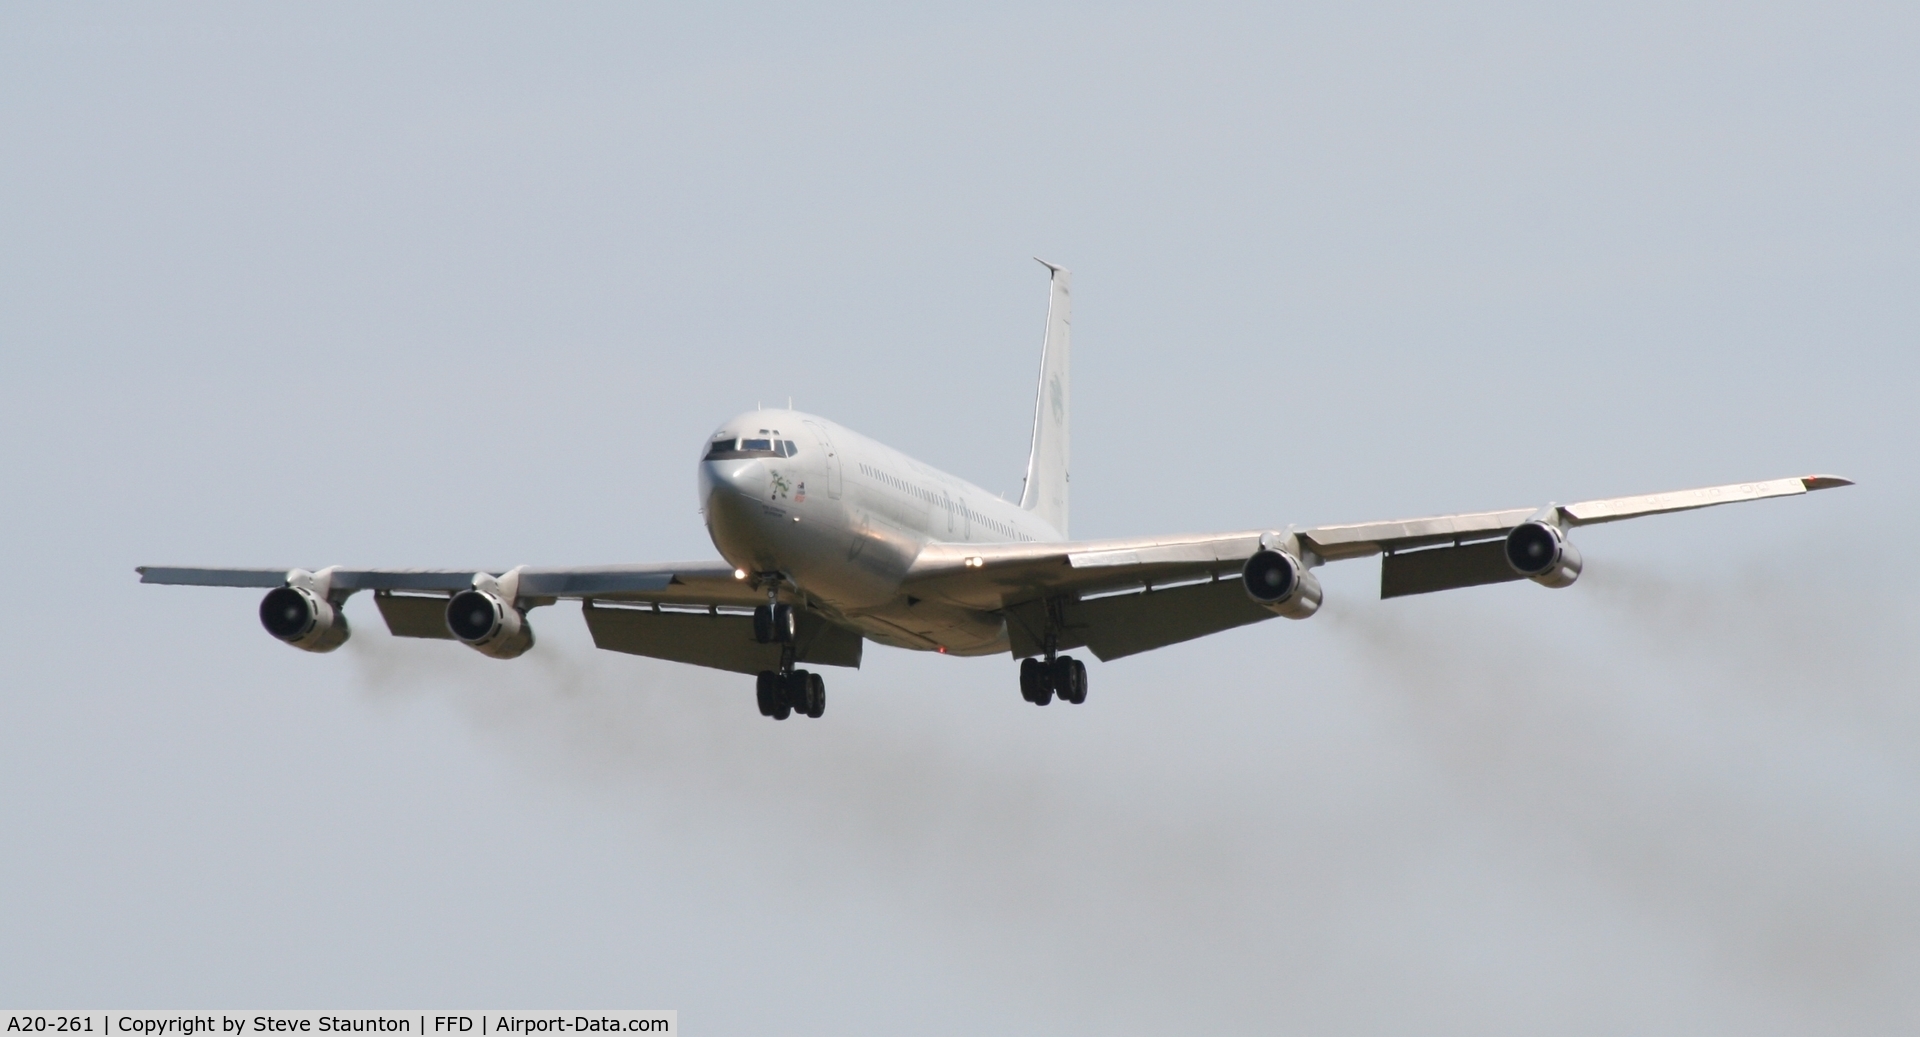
point(975, 562)
point(739, 574)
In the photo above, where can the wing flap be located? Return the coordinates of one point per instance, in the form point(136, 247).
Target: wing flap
point(609, 580)
point(993, 576)
point(1119, 625)
point(1364, 538)
point(414, 615)
point(1445, 568)
point(715, 639)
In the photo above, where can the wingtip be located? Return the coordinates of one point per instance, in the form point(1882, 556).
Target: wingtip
point(1824, 482)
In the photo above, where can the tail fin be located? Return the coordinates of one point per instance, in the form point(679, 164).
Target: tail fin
point(1046, 490)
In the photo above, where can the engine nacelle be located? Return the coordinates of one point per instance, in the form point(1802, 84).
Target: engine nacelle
point(1279, 582)
point(1542, 553)
point(489, 624)
point(303, 619)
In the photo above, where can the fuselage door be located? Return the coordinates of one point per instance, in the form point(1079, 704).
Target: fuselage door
point(833, 460)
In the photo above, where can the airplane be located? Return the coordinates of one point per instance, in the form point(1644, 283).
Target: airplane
point(829, 539)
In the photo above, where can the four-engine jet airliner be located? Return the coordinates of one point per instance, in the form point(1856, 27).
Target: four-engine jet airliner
point(831, 539)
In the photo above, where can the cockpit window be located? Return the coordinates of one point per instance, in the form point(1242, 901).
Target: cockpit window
point(730, 449)
point(793, 449)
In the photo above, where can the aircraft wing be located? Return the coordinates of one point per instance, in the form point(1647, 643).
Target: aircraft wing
point(1120, 597)
point(701, 583)
point(691, 612)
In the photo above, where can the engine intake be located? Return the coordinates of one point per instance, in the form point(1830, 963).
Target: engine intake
point(1278, 581)
point(489, 624)
point(303, 619)
point(1543, 554)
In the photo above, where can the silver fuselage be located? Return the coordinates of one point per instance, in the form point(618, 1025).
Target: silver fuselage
point(844, 518)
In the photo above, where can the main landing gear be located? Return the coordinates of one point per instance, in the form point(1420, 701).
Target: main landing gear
point(796, 691)
point(1041, 680)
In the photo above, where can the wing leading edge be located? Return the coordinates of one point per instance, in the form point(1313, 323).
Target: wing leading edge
point(691, 612)
point(1118, 597)
point(690, 582)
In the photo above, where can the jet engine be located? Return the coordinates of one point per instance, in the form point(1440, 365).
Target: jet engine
point(1279, 582)
point(1542, 553)
point(488, 619)
point(302, 618)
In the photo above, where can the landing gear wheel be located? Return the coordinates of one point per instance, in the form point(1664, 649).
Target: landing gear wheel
point(805, 692)
point(1067, 677)
point(772, 693)
point(816, 696)
point(1043, 686)
point(775, 624)
point(1033, 678)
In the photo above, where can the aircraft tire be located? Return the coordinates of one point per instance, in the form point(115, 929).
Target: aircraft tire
point(798, 690)
point(763, 624)
point(1079, 682)
point(1032, 678)
point(816, 695)
point(785, 624)
point(768, 691)
point(1060, 677)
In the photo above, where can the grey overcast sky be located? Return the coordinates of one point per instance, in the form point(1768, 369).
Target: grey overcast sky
point(467, 284)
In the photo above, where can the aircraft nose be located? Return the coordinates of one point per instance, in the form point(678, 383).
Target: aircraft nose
point(740, 477)
point(731, 499)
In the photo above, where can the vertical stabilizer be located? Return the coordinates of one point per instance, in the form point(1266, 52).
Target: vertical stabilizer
point(1045, 493)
